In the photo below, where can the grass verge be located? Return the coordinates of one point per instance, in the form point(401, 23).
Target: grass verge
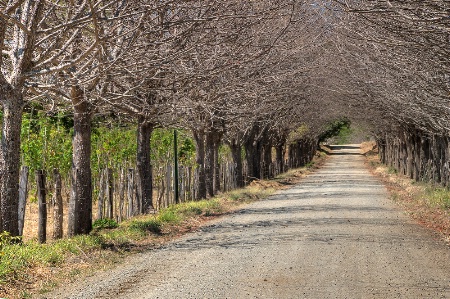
point(425, 202)
point(29, 268)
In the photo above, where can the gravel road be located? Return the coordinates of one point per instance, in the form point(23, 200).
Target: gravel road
point(335, 235)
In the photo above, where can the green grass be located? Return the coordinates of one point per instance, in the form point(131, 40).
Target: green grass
point(16, 258)
point(249, 194)
point(148, 225)
point(392, 170)
point(104, 223)
point(195, 208)
point(438, 197)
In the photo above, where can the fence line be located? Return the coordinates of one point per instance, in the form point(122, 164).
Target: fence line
point(116, 192)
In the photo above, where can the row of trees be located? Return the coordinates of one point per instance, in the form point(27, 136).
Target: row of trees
point(254, 75)
point(394, 55)
point(216, 68)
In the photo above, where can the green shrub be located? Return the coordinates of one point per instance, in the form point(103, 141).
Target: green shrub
point(168, 216)
point(336, 128)
point(151, 225)
point(105, 223)
point(392, 170)
point(7, 239)
point(439, 197)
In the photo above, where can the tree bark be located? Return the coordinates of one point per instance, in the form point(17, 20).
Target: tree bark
point(1, 203)
point(10, 147)
point(209, 163)
point(217, 139)
point(253, 156)
point(250, 152)
point(80, 206)
point(417, 167)
point(143, 165)
point(200, 160)
point(279, 157)
point(266, 172)
point(23, 194)
point(237, 159)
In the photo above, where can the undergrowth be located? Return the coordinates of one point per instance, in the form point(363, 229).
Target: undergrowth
point(437, 197)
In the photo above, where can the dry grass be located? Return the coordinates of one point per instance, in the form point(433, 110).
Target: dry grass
point(30, 228)
point(369, 148)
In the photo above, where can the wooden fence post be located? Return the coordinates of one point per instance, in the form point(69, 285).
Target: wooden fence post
point(131, 194)
point(169, 184)
point(42, 224)
point(109, 194)
point(57, 206)
point(101, 195)
point(122, 182)
point(23, 194)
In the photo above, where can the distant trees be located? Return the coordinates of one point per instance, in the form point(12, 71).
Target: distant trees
point(396, 54)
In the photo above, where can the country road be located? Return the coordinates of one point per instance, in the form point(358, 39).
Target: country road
point(335, 235)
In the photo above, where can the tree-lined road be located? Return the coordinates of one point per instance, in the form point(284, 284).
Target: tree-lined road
point(335, 235)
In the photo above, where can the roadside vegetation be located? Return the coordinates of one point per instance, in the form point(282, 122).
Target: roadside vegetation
point(426, 202)
point(28, 268)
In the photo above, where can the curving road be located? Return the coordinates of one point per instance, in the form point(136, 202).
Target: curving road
point(336, 235)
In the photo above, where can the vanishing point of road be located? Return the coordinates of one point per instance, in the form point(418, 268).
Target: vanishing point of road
point(335, 235)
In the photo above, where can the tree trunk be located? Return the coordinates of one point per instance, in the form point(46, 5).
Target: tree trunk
point(250, 153)
point(279, 157)
point(258, 160)
point(143, 165)
point(267, 159)
point(200, 159)
point(80, 206)
point(417, 169)
point(1, 175)
point(237, 159)
point(410, 154)
point(291, 156)
point(10, 147)
point(23, 194)
point(209, 163)
point(217, 139)
point(57, 207)
point(424, 156)
point(253, 156)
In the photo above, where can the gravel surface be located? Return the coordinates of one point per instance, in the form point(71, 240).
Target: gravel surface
point(335, 235)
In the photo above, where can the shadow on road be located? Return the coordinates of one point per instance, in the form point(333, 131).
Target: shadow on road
point(345, 154)
point(343, 150)
point(344, 147)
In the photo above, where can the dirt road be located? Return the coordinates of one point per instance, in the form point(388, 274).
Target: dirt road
point(336, 235)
